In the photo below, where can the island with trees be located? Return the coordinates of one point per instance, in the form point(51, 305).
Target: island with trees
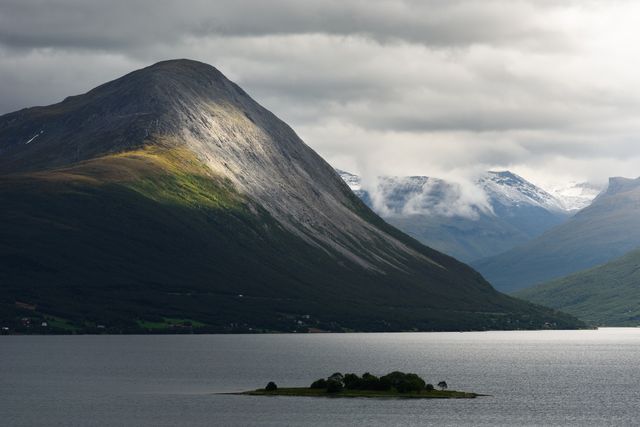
point(395, 384)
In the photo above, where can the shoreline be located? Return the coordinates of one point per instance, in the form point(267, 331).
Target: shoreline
point(350, 394)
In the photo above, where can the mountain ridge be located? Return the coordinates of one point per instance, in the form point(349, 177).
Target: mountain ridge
point(504, 211)
point(171, 194)
point(605, 230)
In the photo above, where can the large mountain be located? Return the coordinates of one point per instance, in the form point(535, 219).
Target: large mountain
point(505, 211)
point(607, 295)
point(607, 229)
point(170, 198)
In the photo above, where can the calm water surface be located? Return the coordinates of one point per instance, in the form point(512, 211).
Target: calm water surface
point(535, 378)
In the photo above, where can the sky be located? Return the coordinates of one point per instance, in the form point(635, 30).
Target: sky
point(445, 88)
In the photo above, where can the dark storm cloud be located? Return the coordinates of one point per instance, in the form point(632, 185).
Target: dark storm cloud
point(118, 24)
point(544, 87)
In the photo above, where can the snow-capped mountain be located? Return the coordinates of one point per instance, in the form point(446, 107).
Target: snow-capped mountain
point(498, 211)
point(575, 195)
point(599, 233)
point(502, 188)
point(510, 189)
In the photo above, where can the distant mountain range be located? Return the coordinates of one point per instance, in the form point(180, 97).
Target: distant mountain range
point(607, 295)
point(168, 199)
point(564, 235)
point(502, 211)
point(603, 231)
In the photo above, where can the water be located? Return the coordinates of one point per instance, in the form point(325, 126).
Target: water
point(535, 378)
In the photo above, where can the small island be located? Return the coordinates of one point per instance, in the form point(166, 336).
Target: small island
point(393, 385)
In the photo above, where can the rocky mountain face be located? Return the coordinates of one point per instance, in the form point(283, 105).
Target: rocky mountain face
point(196, 108)
point(502, 211)
point(607, 229)
point(170, 196)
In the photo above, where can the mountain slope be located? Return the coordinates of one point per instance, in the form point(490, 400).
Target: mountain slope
point(436, 212)
point(608, 228)
point(170, 196)
point(608, 295)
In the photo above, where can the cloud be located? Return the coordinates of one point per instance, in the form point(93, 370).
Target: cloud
point(122, 23)
point(406, 196)
point(444, 88)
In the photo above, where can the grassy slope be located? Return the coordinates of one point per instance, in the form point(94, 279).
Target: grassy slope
point(605, 295)
point(133, 239)
point(602, 232)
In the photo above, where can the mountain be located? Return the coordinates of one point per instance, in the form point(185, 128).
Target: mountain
point(575, 196)
point(503, 211)
point(607, 295)
point(606, 229)
point(508, 190)
point(168, 199)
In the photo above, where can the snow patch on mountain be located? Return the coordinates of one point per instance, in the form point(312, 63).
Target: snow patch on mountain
point(392, 195)
point(575, 195)
point(34, 137)
point(509, 189)
point(469, 220)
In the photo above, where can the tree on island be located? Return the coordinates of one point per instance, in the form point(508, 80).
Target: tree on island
point(404, 383)
point(366, 382)
point(351, 381)
point(336, 376)
point(334, 386)
point(321, 383)
point(395, 384)
point(271, 386)
point(400, 381)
